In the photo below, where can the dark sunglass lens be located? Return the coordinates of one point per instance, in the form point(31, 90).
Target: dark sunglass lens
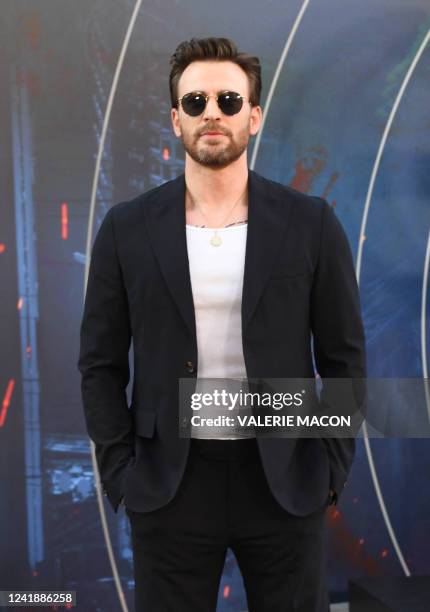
point(194, 104)
point(230, 102)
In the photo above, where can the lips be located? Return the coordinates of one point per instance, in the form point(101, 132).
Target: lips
point(212, 134)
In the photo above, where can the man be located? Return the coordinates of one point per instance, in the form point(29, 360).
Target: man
point(218, 273)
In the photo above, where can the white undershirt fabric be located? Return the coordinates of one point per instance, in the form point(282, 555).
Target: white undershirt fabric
point(217, 281)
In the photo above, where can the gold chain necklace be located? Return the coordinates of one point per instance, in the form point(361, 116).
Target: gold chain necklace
point(216, 239)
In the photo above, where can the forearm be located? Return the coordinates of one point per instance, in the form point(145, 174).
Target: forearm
point(338, 333)
point(105, 338)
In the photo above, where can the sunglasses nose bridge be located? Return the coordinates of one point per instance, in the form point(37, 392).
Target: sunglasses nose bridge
point(212, 108)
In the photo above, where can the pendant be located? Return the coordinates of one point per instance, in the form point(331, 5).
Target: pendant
point(216, 240)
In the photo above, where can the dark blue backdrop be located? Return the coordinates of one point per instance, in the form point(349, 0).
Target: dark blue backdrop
point(331, 105)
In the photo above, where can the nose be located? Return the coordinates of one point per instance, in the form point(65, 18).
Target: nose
point(212, 110)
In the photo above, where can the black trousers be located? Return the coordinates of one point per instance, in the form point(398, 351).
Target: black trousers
point(223, 502)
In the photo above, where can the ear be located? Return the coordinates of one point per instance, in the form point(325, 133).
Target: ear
point(255, 119)
point(174, 116)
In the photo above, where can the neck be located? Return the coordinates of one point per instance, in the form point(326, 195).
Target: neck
point(216, 188)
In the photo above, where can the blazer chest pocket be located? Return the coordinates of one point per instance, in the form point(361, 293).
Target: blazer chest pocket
point(291, 267)
point(145, 423)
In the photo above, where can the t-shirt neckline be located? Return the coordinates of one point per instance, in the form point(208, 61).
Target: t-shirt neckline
point(217, 229)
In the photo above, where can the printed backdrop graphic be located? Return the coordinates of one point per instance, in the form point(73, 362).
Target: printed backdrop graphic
point(337, 87)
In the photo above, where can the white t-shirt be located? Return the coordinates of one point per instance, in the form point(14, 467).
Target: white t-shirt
point(217, 281)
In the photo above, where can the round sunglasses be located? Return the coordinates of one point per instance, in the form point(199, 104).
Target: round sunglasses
point(194, 103)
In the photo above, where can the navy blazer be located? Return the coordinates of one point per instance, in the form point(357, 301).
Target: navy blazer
point(299, 284)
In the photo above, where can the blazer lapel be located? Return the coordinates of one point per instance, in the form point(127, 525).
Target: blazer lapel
point(268, 210)
point(165, 218)
point(267, 216)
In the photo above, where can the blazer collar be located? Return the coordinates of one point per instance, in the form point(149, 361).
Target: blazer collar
point(268, 209)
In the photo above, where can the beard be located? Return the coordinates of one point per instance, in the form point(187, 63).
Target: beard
point(217, 154)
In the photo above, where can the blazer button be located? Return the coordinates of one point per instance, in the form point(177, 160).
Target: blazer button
point(190, 366)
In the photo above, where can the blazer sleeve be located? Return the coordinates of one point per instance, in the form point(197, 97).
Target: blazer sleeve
point(337, 328)
point(105, 337)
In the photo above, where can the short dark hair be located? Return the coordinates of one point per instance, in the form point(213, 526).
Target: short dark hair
point(219, 49)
